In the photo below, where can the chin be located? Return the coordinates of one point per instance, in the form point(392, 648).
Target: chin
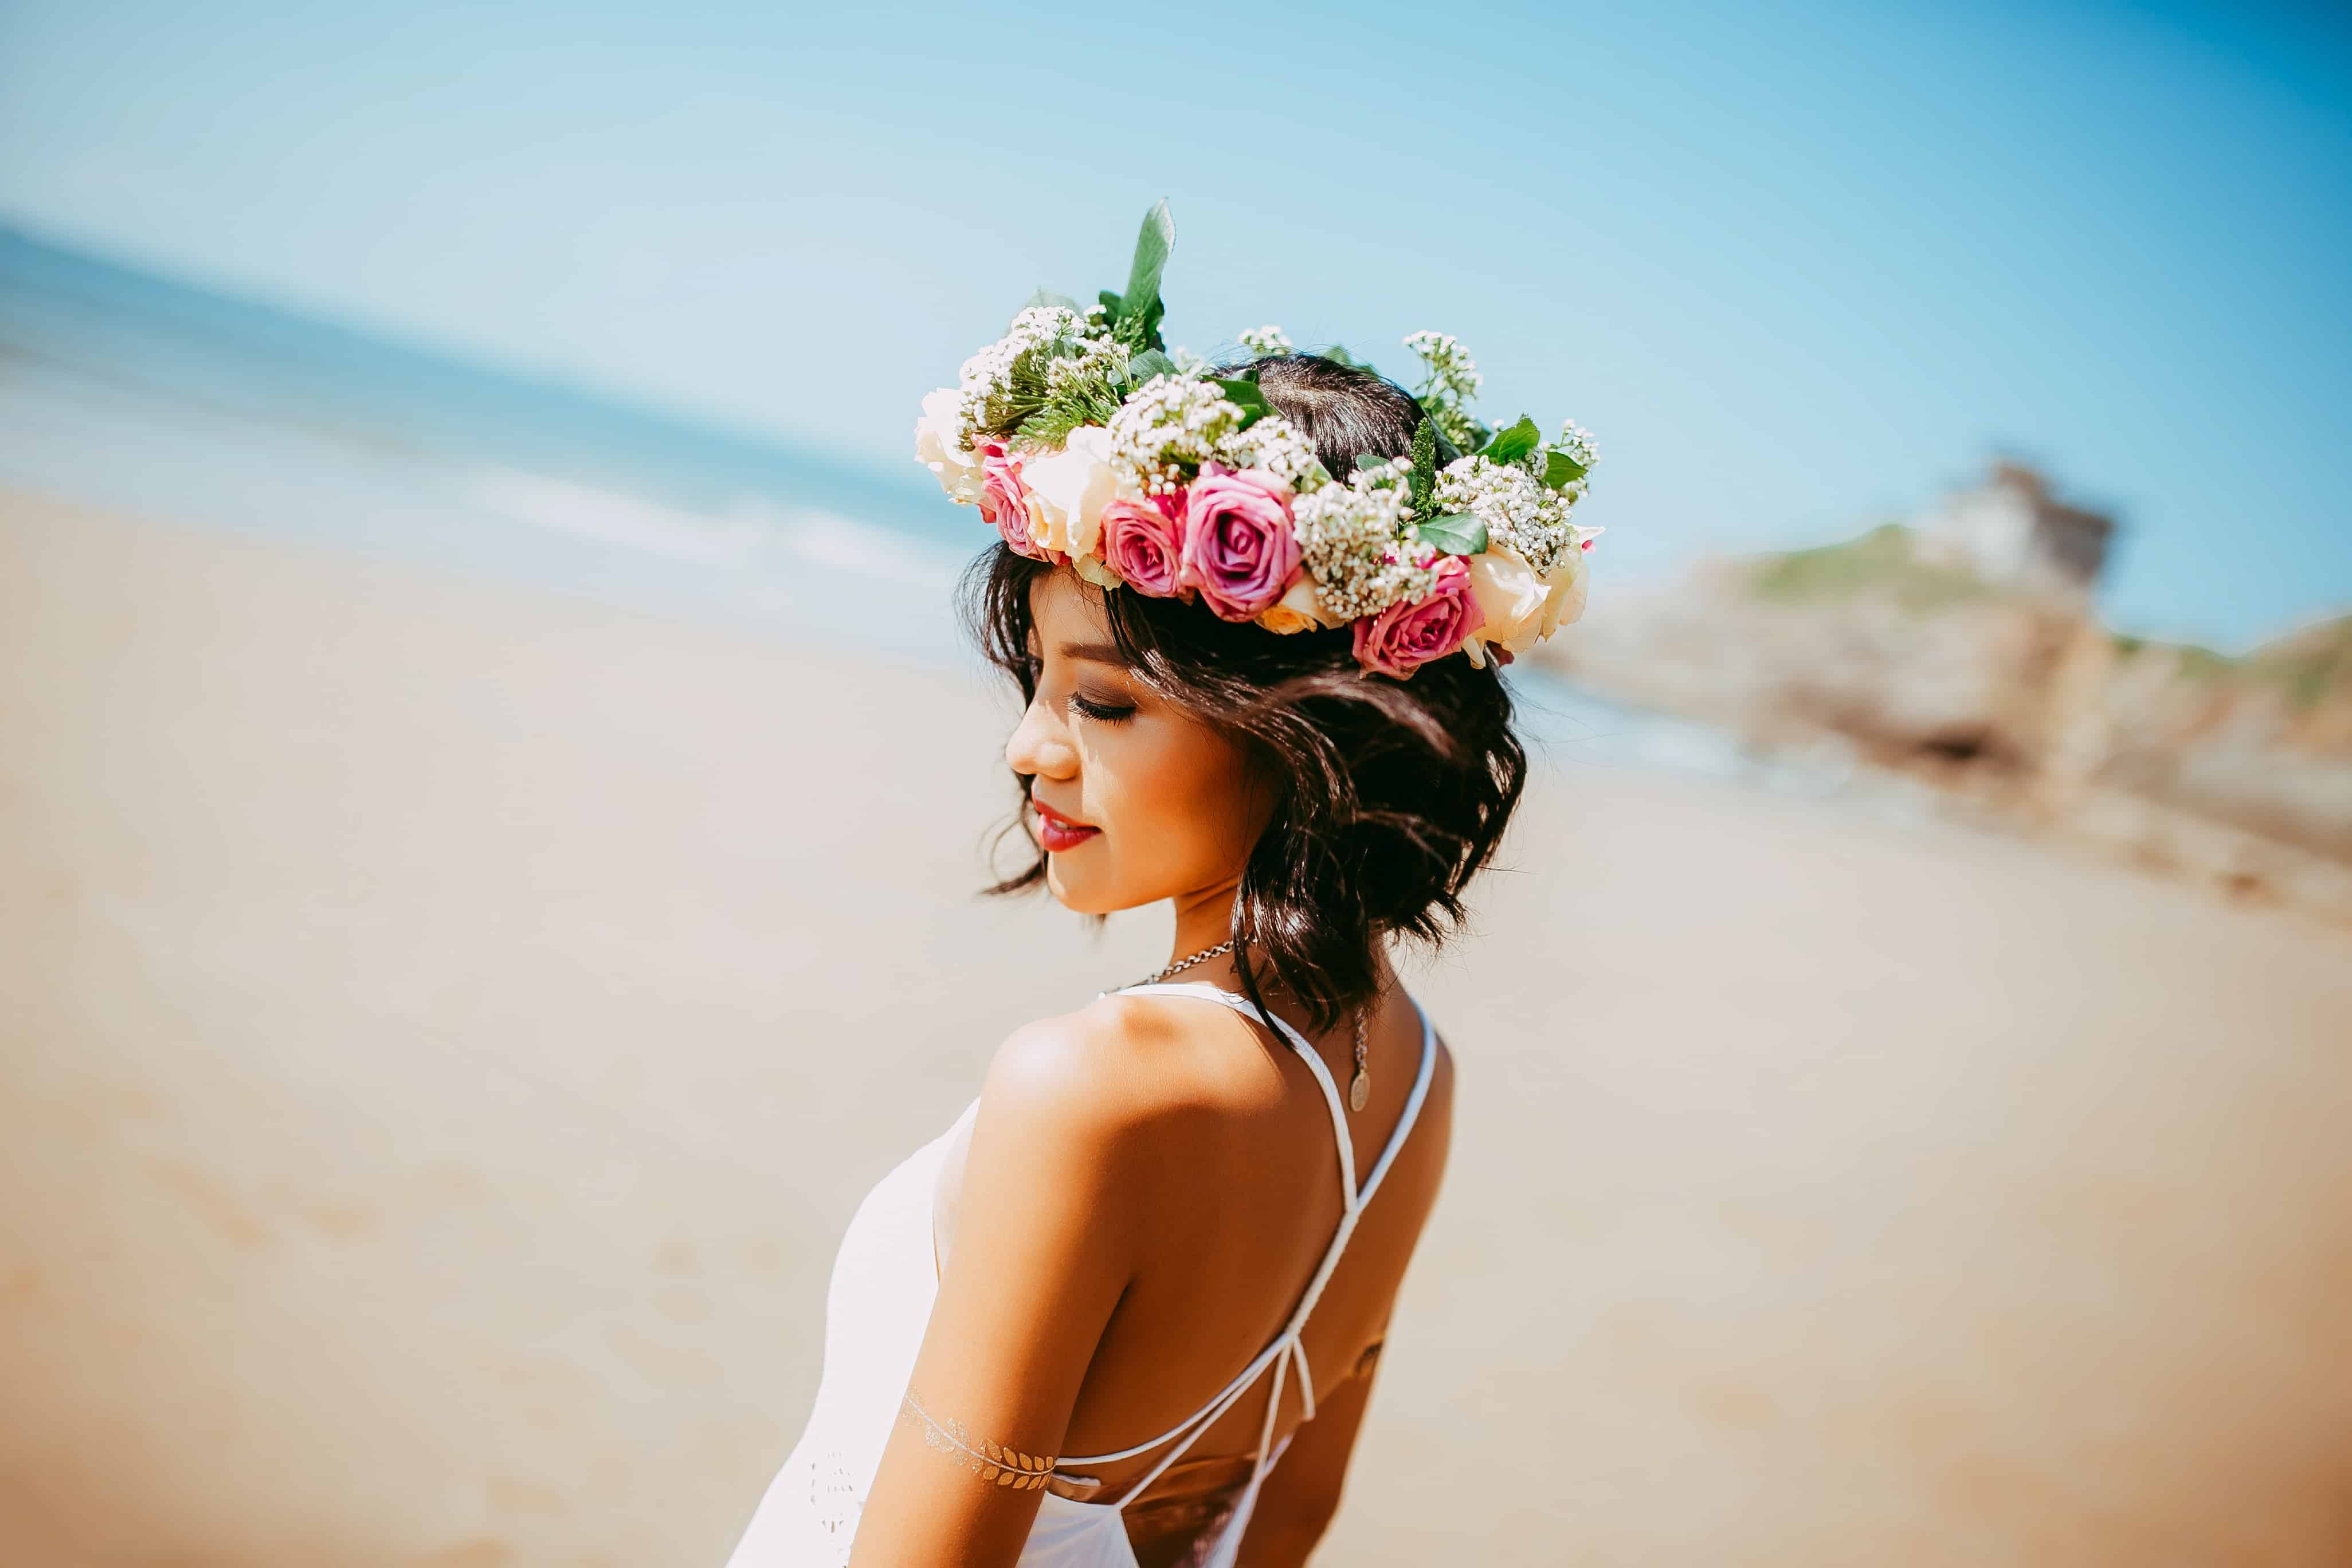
point(1080, 893)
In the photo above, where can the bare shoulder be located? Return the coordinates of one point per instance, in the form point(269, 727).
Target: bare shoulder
point(1440, 1088)
point(1087, 1084)
point(1441, 1074)
point(1433, 1129)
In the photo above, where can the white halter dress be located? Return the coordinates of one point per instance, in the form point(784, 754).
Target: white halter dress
point(883, 1281)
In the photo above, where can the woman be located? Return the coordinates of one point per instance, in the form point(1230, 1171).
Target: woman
point(1126, 1311)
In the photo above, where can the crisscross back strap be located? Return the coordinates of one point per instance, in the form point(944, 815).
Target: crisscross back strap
point(1286, 1349)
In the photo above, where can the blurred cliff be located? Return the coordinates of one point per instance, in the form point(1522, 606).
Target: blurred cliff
point(1962, 650)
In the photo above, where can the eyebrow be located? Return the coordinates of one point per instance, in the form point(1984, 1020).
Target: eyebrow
point(1095, 652)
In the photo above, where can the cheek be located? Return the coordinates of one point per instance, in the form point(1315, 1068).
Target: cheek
point(1185, 797)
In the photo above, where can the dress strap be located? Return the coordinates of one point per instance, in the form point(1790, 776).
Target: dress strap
point(1287, 1347)
point(1299, 1043)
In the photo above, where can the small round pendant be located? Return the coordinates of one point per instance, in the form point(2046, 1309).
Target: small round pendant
point(1360, 1089)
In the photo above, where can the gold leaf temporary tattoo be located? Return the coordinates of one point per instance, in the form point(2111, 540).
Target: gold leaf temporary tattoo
point(993, 1463)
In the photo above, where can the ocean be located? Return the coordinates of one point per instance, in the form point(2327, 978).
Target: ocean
point(133, 391)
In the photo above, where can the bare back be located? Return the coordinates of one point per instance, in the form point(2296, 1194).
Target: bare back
point(1245, 1204)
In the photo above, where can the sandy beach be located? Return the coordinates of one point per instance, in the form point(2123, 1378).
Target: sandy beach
point(448, 1026)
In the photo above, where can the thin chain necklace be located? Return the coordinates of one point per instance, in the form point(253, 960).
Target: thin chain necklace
point(1201, 957)
point(1360, 1086)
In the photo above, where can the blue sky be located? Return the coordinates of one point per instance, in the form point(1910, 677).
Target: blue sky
point(1799, 268)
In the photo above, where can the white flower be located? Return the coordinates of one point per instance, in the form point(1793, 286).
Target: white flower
point(1352, 537)
point(1278, 447)
point(1165, 430)
point(1511, 599)
point(1577, 443)
point(1266, 341)
point(938, 446)
point(1518, 508)
point(1568, 584)
point(1452, 370)
point(1067, 491)
point(1038, 336)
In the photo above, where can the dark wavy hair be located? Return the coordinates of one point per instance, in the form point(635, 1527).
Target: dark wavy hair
point(1388, 795)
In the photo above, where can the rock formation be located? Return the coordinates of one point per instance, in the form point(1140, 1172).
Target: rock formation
point(2007, 693)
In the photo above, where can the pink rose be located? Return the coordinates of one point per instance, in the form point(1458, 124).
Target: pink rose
point(1143, 541)
point(1411, 632)
point(1239, 550)
point(1004, 500)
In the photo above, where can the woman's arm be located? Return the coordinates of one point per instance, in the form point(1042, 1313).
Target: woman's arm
point(1044, 1245)
point(1301, 1493)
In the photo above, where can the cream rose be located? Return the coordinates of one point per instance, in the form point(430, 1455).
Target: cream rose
point(1095, 570)
point(938, 446)
point(1511, 597)
point(1299, 609)
point(1569, 582)
point(1067, 491)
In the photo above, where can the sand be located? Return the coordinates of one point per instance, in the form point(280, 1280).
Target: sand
point(446, 1027)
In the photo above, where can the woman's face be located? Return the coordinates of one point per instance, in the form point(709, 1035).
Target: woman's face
point(1134, 799)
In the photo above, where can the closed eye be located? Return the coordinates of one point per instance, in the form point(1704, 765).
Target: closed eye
point(1107, 712)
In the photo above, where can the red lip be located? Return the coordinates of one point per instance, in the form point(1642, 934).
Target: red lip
point(1058, 833)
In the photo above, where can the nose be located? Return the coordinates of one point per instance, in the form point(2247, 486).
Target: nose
point(1040, 745)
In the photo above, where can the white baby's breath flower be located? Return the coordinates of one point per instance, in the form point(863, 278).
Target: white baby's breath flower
point(1165, 430)
point(1278, 447)
point(1519, 508)
point(1061, 371)
point(1266, 341)
point(1450, 368)
point(1577, 443)
point(1351, 538)
point(1041, 335)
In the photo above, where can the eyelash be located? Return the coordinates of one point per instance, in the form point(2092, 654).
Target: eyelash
point(1100, 711)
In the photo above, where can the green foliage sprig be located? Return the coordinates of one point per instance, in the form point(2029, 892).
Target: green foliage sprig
point(1421, 485)
point(1134, 316)
point(1045, 406)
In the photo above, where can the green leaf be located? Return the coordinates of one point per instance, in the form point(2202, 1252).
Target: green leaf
point(1134, 316)
point(1510, 446)
point(1152, 244)
point(1047, 296)
point(1245, 397)
point(1149, 364)
point(1337, 354)
point(1559, 469)
point(1371, 460)
point(1456, 533)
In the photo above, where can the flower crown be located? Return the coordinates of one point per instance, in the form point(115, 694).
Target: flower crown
point(1085, 441)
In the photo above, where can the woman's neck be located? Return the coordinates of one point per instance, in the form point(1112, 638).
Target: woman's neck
point(1202, 920)
point(1205, 919)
